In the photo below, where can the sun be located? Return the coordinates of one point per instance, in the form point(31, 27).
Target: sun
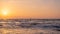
point(5, 12)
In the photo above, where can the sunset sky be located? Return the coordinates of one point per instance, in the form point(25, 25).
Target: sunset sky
point(30, 9)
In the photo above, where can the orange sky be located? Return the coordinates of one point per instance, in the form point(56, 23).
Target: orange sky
point(30, 8)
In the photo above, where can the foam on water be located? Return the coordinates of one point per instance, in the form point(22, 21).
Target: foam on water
point(30, 27)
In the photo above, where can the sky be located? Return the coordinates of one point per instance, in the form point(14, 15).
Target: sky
point(30, 9)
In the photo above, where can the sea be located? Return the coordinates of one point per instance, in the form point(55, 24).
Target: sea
point(30, 26)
